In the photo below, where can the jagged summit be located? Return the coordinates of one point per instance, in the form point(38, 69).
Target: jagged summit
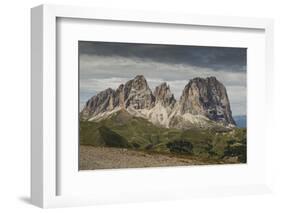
point(163, 95)
point(139, 78)
point(138, 83)
point(103, 101)
point(208, 97)
point(137, 94)
point(203, 103)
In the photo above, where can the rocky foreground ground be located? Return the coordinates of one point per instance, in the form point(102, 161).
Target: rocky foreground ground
point(112, 158)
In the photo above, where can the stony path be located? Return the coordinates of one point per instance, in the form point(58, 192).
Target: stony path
point(112, 158)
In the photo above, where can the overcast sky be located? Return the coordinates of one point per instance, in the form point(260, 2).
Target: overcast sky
point(108, 64)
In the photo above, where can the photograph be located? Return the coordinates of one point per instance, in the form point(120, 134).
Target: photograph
point(160, 105)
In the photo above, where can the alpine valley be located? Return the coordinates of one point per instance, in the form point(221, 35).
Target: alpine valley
point(199, 125)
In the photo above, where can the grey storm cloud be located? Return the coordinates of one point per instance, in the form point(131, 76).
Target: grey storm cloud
point(212, 57)
point(108, 64)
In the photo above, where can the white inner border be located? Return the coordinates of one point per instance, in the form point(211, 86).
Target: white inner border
point(146, 184)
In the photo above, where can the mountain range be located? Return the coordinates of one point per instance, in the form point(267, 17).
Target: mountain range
point(204, 104)
point(199, 124)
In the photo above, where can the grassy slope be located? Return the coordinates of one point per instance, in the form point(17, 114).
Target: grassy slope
point(124, 130)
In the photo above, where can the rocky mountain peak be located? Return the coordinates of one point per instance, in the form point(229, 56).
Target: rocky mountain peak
point(208, 97)
point(163, 95)
point(103, 101)
point(138, 83)
point(137, 94)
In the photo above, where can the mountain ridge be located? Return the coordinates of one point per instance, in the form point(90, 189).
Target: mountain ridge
point(204, 103)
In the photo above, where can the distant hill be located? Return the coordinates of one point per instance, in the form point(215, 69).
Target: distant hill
point(241, 121)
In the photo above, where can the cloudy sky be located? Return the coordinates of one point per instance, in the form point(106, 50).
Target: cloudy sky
point(108, 64)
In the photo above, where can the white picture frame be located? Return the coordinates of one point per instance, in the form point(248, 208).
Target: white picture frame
point(44, 153)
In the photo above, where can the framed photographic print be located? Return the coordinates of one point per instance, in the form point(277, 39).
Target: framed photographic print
point(149, 106)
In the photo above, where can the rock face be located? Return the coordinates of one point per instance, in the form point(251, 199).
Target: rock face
point(102, 102)
point(206, 97)
point(137, 94)
point(203, 103)
point(163, 95)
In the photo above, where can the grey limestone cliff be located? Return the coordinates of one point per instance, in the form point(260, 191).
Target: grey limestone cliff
point(205, 97)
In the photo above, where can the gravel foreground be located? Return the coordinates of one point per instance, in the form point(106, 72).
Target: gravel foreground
point(113, 158)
